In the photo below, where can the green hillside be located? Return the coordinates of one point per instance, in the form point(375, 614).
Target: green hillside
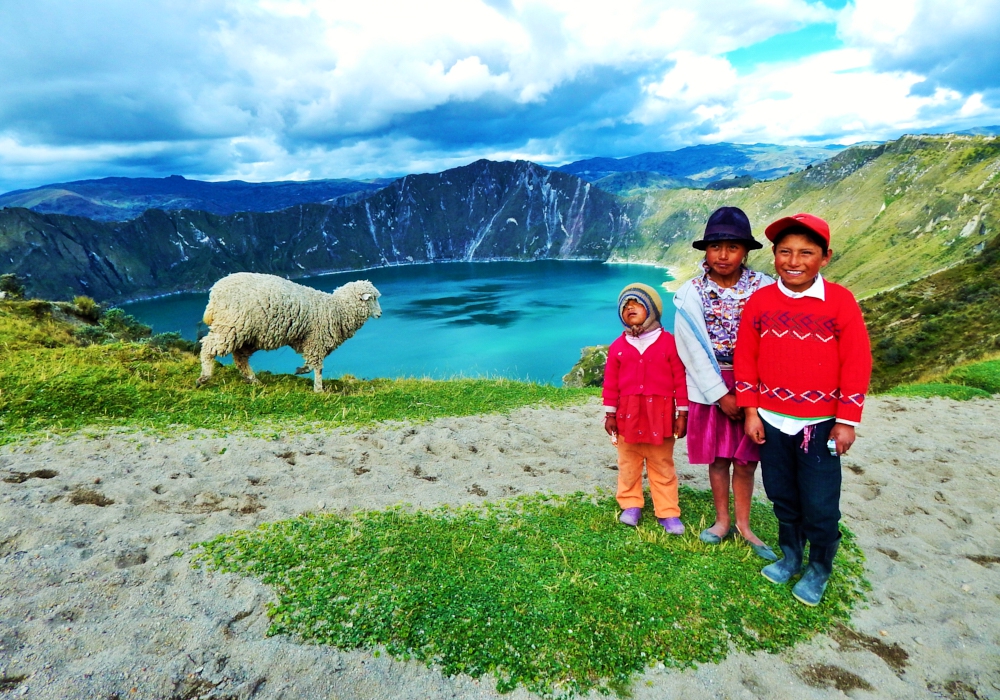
point(923, 329)
point(898, 211)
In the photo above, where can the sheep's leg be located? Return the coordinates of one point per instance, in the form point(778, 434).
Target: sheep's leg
point(207, 359)
point(241, 358)
point(317, 366)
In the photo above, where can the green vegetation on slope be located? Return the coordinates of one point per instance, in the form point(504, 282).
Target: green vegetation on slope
point(49, 382)
point(546, 592)
point(898, 211)
point(925, 328)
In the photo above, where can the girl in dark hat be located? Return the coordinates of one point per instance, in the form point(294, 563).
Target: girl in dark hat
point(708, 314)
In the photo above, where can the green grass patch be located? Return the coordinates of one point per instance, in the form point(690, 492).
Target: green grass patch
point(951, 391)
point(976, 380)
point(981, 375)
point(547, 592)
point(138, 386)
point(52, 382)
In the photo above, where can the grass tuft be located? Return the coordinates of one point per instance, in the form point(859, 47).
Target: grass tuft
point(546, 592)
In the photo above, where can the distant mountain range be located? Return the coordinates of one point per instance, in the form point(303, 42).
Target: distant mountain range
point(697, 166)
point(981, 131)
point(482, 211)
point(898, 210)
point(124, 198)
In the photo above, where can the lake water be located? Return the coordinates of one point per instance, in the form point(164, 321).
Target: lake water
point(519, 320)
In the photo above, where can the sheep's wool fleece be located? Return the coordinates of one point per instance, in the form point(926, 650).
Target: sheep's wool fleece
point(266, 312)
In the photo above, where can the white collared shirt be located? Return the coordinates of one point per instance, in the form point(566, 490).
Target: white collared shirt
point(817, 290)
point(790, 425)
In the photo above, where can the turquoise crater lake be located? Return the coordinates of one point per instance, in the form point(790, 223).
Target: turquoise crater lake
point(519, 320)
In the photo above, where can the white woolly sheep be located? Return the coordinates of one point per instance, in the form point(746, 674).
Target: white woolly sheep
point(247, 312)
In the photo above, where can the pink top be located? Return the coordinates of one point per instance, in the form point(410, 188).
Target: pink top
point(644, 388)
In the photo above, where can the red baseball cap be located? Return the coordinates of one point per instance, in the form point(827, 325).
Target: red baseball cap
point(813, 223)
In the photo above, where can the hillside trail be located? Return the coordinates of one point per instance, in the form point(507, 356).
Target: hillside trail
point(94, 604)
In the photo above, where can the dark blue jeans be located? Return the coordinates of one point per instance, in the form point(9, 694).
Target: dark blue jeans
point(803, 481)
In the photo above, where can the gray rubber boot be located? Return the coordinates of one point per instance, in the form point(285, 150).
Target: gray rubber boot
point(812, 585)
point(791, 543)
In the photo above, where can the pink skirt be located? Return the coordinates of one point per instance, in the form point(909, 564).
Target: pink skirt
point(711, 435)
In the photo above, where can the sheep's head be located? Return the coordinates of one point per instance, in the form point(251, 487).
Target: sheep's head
point(361, 298)
point(367, 294)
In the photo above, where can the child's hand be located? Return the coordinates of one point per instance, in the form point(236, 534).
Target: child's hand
point(844, 436)
point(728, 405)
point(611, 424)
point(753, 426)
point(681, 424)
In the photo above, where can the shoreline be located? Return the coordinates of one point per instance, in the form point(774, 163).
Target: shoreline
point(328, 273)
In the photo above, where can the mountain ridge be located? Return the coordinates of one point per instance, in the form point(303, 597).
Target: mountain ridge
point(124, 198)
point(913, 206)
point(697, 166)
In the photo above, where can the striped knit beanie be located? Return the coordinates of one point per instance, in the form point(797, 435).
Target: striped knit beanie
point(645, 295)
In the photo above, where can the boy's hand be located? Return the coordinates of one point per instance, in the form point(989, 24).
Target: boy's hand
point(728, 405)
point(844, 436)
point(611, 424)
point(753, 426)
point(681, 424)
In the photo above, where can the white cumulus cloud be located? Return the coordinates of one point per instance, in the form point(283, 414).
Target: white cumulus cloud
point(268, 89)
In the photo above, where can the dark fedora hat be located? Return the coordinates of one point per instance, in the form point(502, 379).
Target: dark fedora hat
point(728, 224)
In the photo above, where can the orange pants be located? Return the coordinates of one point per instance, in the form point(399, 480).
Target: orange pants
point(660, 470)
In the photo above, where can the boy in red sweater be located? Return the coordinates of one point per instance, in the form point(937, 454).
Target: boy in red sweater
point(643, 383)
point(802, 366)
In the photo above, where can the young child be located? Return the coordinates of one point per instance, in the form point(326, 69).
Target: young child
point(708, 314)
point(643, 384)
point(803, 363)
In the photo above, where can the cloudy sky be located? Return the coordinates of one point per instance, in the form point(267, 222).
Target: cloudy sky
point(301, 89)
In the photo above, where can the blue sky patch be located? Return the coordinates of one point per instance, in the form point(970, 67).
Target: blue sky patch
point(780, 48)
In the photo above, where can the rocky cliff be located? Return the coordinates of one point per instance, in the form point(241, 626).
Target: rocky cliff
point(482, 211)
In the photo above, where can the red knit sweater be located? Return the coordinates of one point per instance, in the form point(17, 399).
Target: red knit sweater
point(644, 388)
point(803, 357)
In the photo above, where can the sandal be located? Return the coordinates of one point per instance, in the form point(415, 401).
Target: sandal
point(761, 550)
point(709, 537)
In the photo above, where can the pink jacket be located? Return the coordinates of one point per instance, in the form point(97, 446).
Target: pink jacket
point(657, 372)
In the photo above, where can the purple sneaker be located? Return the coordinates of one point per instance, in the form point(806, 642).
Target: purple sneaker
point(673, 526)
point(630, 516)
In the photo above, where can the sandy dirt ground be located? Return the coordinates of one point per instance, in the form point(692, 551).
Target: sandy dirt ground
point(94, 605)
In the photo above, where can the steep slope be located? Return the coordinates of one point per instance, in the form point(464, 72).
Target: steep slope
point(699, 165)
point(898, 211)
point(926, 327)
point(124, 198)
point(482, 211)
